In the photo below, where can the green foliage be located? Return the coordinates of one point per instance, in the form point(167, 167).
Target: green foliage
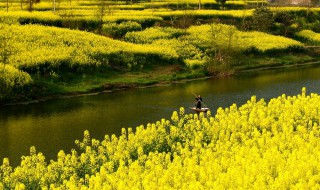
point(44, 18)
point(146, 21)
point(213, 46)
point(151, 34)
point(7, 40)
point(219, 53)
point(235, 5)
point(222, 3)
point(12, 80)
point(115, 30)
point(284, 23)
point(262, 19)
point(229, 36)
point(184, 48)
point(310, 36)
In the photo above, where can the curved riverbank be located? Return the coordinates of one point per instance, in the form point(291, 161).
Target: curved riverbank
point(54, 124)
point(108, 87)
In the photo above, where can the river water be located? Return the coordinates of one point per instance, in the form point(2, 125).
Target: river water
point(55, 124)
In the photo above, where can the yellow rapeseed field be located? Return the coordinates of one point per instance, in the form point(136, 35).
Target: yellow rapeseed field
point(258, 145)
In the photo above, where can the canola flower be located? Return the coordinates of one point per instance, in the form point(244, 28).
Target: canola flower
point(192, 44)
point(294, 9)
point(258, 145)
point(12, 78)
point(309, 35)
point(218, 35)
point(243, 41)
point(45, 49)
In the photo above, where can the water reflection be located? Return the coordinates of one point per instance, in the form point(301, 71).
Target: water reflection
point(54, 125)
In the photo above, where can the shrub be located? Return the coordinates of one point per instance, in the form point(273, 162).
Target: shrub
point(309, 35)
point(151, 34)
point(12, 80)
point(119, 30)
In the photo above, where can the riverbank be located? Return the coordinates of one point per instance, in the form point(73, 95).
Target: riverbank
point(70, 85)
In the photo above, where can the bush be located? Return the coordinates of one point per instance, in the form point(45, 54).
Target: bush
point(88, 24)
point(235, 5)
point(262, 19)
point(12, 80)
point(309, 36)
point(151, 34)
point(145, 21)
point(119, 30)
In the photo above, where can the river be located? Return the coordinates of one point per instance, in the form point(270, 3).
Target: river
point(55, 124)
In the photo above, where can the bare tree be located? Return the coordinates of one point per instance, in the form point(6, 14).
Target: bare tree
point(220, 52)
point(31, 3)
point(103, 6)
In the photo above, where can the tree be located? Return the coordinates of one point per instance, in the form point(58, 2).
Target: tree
point(103, 5)
point(262, 19)
point(31, 3)
point(284, 22)
point(221, 48)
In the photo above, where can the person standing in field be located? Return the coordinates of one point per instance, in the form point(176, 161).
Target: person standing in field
point(198, 103)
